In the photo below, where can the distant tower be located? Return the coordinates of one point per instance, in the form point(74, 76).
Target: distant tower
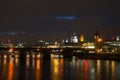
point(97, 41)
point(82, 39)
point(66, 41)
point(63, 41)
point(117, 38)
point(74, 38)
point(96, 36)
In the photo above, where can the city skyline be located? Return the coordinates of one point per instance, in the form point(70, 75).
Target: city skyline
point(54, 20)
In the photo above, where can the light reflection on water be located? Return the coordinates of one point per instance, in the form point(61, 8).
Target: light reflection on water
point(98, 69)
point(38, 69)
point(11, 69)
point(58, 69)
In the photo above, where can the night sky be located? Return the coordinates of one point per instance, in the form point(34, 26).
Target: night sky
point(51, 20)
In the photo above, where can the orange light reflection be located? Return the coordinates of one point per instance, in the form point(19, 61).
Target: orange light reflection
point(38, 68)
point(86, 69)
point(10, 70)
point(113, 69)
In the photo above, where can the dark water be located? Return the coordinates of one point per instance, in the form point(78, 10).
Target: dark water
point(59, 69)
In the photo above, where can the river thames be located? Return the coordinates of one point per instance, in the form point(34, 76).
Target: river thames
point(59, 69)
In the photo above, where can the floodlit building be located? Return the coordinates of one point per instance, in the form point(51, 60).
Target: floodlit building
point(98, 41)
point(82, 39)
point(88, 45)
point(111, 46)
point(74, 38)
point(116, 38)
point(96, 36)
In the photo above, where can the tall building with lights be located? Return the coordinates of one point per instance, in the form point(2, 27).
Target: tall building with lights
point(74, 38)
point(97, 41)
point(116, 38)
point(82, 38)
point(96, 36)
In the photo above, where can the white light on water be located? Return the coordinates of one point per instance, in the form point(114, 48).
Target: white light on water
point(27, 56)
point(33, 55)
point(16, 56)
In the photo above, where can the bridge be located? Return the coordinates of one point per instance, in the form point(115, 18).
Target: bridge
point(66, 52)
point(46, 52)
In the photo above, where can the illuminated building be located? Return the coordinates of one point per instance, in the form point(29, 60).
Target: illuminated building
point(96, 36)
point(97, 41)
point(74, 38)
point(116, 38)
point(82, 38)
point(7, 43)
point(63, 41)
point(66, 41)
point(112, 46)
point(88, 45)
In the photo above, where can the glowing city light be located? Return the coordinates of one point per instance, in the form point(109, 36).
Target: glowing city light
point(99, 40)
point(11, 50)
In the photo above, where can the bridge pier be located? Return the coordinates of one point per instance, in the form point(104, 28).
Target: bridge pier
point(46, 54)
point(67, 53)
point(22, 56)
